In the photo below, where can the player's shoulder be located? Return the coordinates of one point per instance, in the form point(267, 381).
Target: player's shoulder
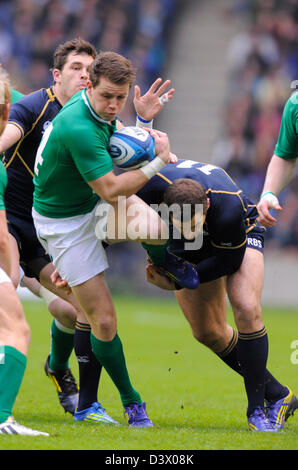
point(34, 101)
point(291, 106)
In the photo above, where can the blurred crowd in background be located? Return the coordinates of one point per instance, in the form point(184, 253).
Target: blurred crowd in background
point(263, 66)
point(262, 60)
point(30, 31)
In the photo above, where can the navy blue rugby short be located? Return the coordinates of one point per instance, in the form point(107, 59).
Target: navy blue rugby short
point(33, 257)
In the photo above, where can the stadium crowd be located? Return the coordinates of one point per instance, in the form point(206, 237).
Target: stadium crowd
point(30, 30)
point(263, 67)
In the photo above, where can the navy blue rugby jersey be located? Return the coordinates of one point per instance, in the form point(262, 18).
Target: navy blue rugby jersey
point(230, 217)
point(31, 114)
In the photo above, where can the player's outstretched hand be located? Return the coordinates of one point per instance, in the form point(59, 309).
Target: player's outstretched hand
point(151, 103)
point(59, 282)
point(264, 206)
point(154, 276)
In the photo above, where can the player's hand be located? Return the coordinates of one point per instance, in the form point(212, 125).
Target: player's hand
point(59, 282)
point(173, 158)
point(162, 144)
point(151, 103)
point(155, 276)
point(264, 206)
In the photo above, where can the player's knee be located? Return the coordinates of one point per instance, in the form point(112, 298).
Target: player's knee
point(247, 314)
point(63, 311)
point(210, 338)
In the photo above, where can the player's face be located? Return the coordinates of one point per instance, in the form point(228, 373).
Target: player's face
point(192, 229)
point(107, 98)
point(73, 76)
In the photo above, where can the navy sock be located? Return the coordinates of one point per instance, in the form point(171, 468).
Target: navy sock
point(229, 354)
point(89, 367)
point(274, 390)
point(252, 352)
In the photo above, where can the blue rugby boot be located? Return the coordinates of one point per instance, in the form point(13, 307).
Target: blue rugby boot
point(95, 413)
point(180, 271)
point(257, 421)
point(136, 415)
point(278, 412)
point(66, 387)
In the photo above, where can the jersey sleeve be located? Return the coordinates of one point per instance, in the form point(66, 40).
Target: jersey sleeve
point(287, 143)
point(3, 184)
point(89, 152)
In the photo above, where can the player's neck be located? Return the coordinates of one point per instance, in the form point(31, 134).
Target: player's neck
point(59, 95)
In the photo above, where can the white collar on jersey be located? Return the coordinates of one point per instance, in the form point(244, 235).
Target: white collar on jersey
point(92, 112)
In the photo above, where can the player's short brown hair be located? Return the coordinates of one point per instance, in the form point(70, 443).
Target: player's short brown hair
point(113, 66)
point(186, 191)
point(78, 45)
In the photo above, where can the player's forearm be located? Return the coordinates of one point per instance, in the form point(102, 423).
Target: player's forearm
point(11, 135)
point(279, 173)
point(125, 184)
point(110, 187)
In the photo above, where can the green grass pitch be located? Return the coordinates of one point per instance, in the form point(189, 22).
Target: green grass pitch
point(195, 401)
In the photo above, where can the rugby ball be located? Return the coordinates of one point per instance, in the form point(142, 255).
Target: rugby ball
point(131, 147)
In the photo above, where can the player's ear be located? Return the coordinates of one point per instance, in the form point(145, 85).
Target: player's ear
point(88, 85)
point(56, 75)
point(208, 203)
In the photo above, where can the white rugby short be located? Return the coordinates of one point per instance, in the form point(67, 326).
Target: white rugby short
point(74, 243)
point(3, 276)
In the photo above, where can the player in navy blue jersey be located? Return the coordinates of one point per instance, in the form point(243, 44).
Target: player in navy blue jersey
point(221, 237)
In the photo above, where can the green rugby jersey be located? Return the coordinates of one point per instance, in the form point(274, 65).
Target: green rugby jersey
point(287, 143)
point(15, 95)
point(3, 184)
point(72, 152)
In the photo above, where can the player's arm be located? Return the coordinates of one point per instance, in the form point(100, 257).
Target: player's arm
point(11, 135)
point(279, 173)
point(5, 262)
point(110, 186)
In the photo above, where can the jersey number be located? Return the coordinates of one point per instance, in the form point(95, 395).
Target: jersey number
point(204, 169)
point(43, 143)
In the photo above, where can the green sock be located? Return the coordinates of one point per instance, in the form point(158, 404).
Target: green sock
point(110, 355)
point(12, 368)
point(61, 346)
point(157, 253)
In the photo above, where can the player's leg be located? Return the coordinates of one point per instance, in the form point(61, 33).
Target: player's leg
point(133, 220)
point(244, 289)
point(95, 298)
point(205, 310)
point(14, 343)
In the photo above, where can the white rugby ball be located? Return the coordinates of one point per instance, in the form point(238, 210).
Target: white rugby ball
point(131, 147)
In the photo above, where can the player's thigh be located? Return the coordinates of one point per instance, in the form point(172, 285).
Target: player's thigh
point(134, 220)
point(245, 289)
point(14, 329)
point(96, 301)
point(204, 307)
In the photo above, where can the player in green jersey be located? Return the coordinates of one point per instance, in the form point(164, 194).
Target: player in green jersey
point(74, 183)
point(14, 331)
point(283, 163)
